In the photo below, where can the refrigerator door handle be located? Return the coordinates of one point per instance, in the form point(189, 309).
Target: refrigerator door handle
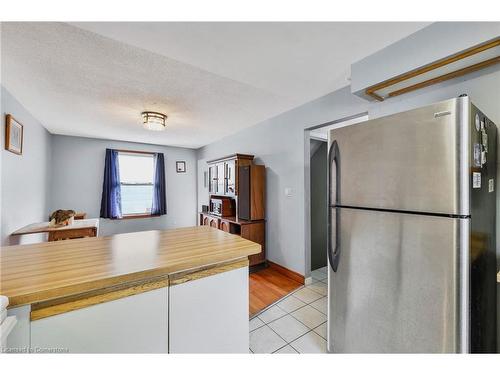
point(333, 161)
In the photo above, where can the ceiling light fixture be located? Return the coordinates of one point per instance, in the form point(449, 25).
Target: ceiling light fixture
point(154, 120)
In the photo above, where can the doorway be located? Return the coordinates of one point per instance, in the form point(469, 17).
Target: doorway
point(316, 195)
point(319, 202)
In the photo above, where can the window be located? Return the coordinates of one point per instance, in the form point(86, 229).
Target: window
point(136, 182)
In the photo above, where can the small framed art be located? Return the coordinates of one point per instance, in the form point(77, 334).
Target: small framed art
point(13, 135)
point(180, 166)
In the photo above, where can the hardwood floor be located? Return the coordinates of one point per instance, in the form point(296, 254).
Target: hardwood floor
point(267, 286)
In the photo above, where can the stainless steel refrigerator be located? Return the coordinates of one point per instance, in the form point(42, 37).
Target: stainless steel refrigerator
point(411, 247)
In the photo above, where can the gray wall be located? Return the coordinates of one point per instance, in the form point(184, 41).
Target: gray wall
point(319, 203)
point(25, 178)
point(279, 144)
point(66, 172)
point(432, 43)
point(77, 174)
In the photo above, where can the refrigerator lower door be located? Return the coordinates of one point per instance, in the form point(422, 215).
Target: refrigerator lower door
point(401, 285)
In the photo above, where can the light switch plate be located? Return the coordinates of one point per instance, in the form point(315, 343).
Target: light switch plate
point(288, 192)
point(476, 180)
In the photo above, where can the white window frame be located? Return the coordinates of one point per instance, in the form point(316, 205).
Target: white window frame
point(133, 215)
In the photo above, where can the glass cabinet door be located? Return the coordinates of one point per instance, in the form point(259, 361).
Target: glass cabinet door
point(220, 178)
point(230, 177)
point(212, 179)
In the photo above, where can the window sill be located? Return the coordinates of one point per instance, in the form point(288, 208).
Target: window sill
point(136, 216)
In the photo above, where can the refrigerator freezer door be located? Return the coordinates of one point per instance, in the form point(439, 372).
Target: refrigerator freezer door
point(400, 285)
point(410, 161)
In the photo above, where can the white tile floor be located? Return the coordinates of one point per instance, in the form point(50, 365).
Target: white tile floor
point(296, 324)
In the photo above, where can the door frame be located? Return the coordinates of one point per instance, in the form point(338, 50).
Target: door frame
point(344, 121)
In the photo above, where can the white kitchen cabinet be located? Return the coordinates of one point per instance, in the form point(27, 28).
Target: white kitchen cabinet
point(196, 314)
point(133, 324)
point(18, 340)
point(210, 315)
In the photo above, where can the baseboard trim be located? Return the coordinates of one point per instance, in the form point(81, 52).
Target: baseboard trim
point(286, 272)
point(257, 267)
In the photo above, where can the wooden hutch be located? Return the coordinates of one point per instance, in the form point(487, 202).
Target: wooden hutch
point(237, 195)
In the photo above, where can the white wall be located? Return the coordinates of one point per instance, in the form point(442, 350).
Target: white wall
point(25, 178)
point(279, 144)
point(77, 175)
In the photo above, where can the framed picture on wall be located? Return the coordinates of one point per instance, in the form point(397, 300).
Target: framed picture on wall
point(13, 135)
point(180, 166)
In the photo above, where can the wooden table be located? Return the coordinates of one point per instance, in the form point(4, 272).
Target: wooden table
point(80, 215)
point(79, 229)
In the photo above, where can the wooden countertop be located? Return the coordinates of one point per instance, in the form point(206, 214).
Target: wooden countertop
point(48, 270)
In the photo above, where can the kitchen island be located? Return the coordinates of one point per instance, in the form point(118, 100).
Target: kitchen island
point(174, 291)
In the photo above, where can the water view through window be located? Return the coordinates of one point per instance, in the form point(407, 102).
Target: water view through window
point(136, 179)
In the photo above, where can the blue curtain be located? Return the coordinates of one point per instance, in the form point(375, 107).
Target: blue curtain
point(159, 206)
point(111, 205)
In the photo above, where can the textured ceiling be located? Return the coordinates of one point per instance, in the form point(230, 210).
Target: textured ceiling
point(211, 79)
